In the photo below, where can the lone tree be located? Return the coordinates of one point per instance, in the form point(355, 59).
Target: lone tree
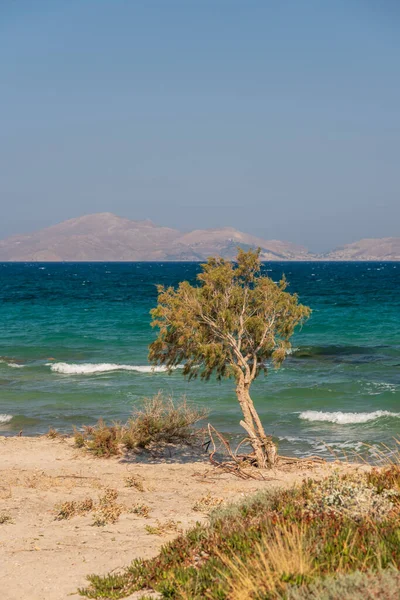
point(230, 325)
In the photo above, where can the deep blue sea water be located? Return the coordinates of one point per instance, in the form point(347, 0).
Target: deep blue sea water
point(74, 338)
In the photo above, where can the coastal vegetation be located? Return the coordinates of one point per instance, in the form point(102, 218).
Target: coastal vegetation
point(330, 539)
point(5, 518)
point(230, 325)
point(106, 510)
point(158, 420)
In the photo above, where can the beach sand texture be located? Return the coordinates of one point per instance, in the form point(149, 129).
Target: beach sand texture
point(43, 558)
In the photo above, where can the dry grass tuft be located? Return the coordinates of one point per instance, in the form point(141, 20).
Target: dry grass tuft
point(109, 497)
point(5, 518)
point(53, 434)
point(67, 510)
point(135, 481)
point(107, 510)
point(5, 491)
point(207, 503)
point(105, 515)
point(283, 556)
point(142, 510)
point(160, 420)
point(101, 440)
point(169, 526)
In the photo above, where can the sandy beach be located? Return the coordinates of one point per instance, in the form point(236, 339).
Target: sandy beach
point(47, 559)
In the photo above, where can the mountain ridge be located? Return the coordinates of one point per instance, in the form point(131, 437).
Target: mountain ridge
point(107, 237)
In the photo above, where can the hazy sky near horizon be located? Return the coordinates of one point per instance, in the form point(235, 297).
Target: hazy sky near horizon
point(281, 119)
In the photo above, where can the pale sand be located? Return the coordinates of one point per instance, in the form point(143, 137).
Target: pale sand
point(45, 559)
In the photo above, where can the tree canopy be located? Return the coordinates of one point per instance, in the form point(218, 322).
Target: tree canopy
point(230, 324)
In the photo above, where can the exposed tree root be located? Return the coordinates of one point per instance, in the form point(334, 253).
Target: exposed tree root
point(237, 463)
point(245, 465)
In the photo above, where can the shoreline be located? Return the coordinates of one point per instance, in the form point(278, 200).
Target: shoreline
point(48, 559)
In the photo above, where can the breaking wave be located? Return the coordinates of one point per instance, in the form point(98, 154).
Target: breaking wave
point(93, 368)
point(13, 365)
point(5, 418)
point(342, 418)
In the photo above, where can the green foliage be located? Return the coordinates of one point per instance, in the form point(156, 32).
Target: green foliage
point(231, 323)
point(269, 545)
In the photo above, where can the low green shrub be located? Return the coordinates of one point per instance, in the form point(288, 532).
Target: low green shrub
point(270, 544)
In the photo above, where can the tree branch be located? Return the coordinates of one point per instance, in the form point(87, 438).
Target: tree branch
point(241, 320)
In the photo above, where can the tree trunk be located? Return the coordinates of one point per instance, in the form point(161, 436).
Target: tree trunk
point(264, 448)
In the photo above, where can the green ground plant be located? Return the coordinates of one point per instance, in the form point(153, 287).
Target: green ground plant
point(274, 544)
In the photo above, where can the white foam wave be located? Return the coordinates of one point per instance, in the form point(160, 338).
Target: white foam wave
point(376, 388)
point(13, 365)
point(5, 418)
point(289, 438)
point(93, 368)
point(342, 418)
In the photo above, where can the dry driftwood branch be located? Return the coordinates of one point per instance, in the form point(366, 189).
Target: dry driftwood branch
point(235, 466)
point(236, 461)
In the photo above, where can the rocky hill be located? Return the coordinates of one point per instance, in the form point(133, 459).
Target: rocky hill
point(106, 237)
point(367, 249)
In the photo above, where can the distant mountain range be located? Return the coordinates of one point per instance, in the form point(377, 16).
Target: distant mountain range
point(368, 249)
point(106, 237)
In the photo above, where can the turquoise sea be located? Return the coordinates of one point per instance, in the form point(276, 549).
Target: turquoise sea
point(74, 337)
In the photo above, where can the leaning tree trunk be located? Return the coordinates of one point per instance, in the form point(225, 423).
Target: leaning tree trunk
point(264, 448)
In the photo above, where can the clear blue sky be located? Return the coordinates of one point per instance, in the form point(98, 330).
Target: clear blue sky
point(279, 118)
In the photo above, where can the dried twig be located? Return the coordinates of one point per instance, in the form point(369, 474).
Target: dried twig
point(235, 463)
point(308, 459)
point(235, 466)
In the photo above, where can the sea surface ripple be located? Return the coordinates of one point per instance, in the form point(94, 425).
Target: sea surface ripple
point(74, 338)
